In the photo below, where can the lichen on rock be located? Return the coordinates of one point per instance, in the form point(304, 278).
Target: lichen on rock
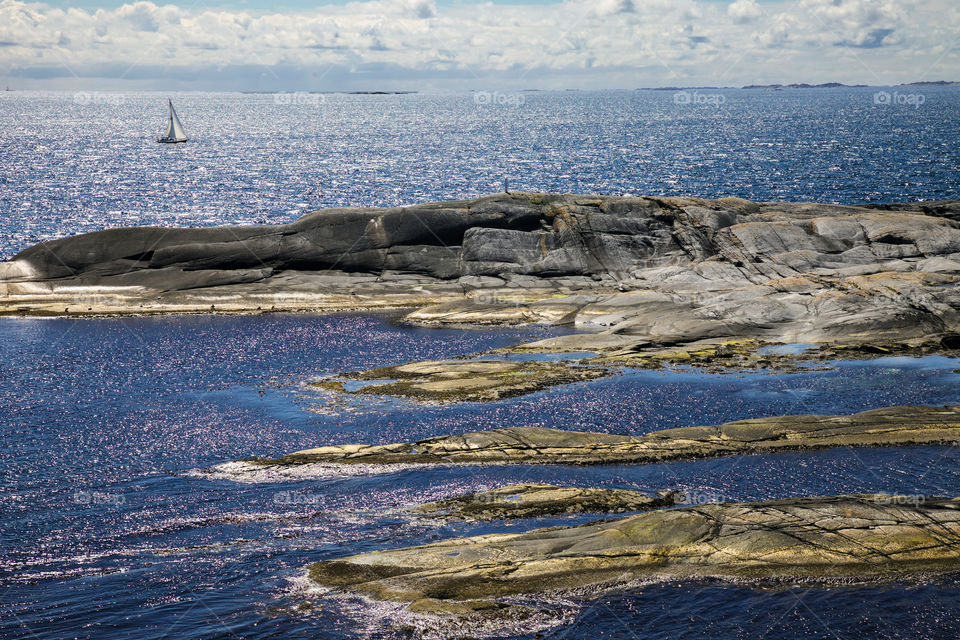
point(536, 500)
point(889, 426)
point(798, 539)
point(463, 380)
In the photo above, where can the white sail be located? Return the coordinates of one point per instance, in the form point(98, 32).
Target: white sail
point(175, 132)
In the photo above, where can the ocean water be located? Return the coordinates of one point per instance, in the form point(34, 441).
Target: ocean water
point(110, 528)
point(73, 162)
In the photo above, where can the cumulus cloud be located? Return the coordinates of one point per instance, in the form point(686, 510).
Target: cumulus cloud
point(743, 11)
point(415, 44)
point(420, 8)
point(859, 23)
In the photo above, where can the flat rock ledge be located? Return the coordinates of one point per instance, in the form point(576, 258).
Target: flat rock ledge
point(537, 500)
point(799, 539)
point(664, 270)
point(462, 380)
point(731, 356)
point(890, 426)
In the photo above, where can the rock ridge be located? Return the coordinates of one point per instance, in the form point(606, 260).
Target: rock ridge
point(533, 500)
point(797, 539)
point(889, 426)
point(667, 269)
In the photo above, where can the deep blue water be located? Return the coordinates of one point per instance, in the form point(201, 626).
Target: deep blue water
point(110, 532)
point(79, 162)
point(108, 528)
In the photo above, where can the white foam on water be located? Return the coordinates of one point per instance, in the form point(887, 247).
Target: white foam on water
point(252, 473)
point(372, 618)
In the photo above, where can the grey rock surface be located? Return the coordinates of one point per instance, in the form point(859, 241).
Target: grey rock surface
point(889, 426)
point(668, 269)
point(534, 500)
point(799, 539)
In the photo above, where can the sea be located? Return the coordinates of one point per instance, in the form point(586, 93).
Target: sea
point(112, 527)
point(75, 162)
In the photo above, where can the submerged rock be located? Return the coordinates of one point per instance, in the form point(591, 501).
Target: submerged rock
point(909, 425)
point(536, 500)
point(666, 270)
point(798, 539)
point(463, 380)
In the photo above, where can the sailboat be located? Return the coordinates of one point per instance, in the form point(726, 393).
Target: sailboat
point(175, 132)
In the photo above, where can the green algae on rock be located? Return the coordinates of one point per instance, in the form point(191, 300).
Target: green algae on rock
point(463, 380)
point(798, 539)
point(890, 426)
point(536, 500)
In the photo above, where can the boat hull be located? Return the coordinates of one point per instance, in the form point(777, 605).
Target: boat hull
point(169, 141)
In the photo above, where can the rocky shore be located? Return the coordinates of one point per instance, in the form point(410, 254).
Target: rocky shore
point(648, 282)
point(461, 380)
point(634, 270)
point(480, 378)
point(537, 500)
point(537, 445)
point(799, 539)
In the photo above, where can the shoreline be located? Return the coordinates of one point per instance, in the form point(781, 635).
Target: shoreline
point(666, 270)
point(888, 426)
point(790, 541)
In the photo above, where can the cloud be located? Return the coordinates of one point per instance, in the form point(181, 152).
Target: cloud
point(415, 44)
point(743, 11)
point(869, 39)
point(613, 7)
point(420, 8)
point(859, 23)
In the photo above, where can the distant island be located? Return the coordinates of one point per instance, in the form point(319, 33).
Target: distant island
point(838, 85)
point(803, 85)
point(353, 93)
point(932, 83)
point(683, 88)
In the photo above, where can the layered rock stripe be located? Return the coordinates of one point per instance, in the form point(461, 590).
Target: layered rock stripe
point(794, 539)
point(907, 425)
point(666, 269)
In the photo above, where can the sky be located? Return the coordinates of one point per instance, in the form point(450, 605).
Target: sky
point(494, 45)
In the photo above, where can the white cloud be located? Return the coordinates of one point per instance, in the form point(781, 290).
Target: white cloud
point(420, 8)
point(859, 23)
point(743, 11)
point(415, 44)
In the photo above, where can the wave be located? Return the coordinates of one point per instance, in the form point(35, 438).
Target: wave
point(252, 473)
